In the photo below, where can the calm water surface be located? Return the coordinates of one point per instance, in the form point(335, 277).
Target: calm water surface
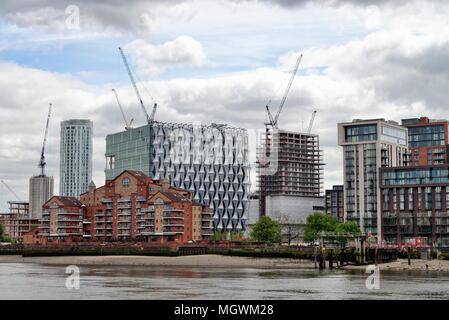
point(34, 281)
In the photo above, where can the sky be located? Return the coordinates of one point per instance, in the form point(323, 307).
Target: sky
point(219, 61)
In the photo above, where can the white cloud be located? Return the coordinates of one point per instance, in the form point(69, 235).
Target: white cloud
point(153, 59)
point(399, 70)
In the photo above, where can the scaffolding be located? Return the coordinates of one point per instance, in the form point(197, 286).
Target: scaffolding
point(289, 163)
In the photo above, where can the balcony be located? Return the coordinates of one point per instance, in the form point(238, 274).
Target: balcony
point(143, 226)
point(172, 224)
point(173, 216)
point(173, 230)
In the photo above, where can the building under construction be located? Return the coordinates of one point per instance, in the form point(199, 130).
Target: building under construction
point(289, 173)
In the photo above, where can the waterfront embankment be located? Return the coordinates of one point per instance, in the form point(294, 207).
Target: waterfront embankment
point(209, 260)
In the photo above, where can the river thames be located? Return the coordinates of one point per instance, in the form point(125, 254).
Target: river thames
point(37, 281)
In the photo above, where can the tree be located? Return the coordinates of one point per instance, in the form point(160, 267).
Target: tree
point(348, 227)
point(316, 223)
point(218, 235)
point(291, 229)
point(1, 232)
point(266, 230)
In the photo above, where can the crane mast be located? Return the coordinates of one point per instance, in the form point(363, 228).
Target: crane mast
point(136, 90)
point(311, 122)
point(128, 125)
point(273, 121)
point(42, 162)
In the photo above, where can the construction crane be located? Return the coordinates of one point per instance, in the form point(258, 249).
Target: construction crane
point(311, 121)
point(11, 190)
point(273, 121)
point(150, 119)
point(42, 162)
point(128, 125)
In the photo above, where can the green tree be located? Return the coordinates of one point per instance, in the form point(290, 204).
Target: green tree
point(218, 235)
point(266, 230)
point(1, 232)
point(347, 228)
point(316, 223)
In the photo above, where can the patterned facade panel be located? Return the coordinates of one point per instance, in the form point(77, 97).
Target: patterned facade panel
point(211, 161)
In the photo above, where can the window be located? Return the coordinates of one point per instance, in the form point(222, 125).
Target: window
point(125, 182)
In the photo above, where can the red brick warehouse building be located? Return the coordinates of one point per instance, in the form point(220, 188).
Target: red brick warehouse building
point(132, 207)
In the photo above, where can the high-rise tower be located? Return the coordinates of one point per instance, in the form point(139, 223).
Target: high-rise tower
point(76, 157)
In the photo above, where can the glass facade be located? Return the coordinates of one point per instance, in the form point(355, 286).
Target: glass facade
point(394, 135)
point(426, 136)
point(128, 150)
point(361, 133)
point(211, 161)
point(416, 176)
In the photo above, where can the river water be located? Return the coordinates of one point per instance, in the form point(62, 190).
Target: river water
point(35, 281)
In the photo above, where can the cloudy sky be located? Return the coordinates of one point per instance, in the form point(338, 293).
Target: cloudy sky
point(219, 61)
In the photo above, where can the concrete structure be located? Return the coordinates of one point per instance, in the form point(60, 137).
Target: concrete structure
point(135, 207)
point(210, 161)
point(368, 145)
point(415, 203)
point(334, 204)
point(427, 141)
point(292, 208)
point(253, 212)
point(289, 174)
point(75, 157)
point(17, 222)
point(41, 189)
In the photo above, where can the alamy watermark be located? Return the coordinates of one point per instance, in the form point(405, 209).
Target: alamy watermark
point(373, 280)
point(72, 22)
point(72, 282)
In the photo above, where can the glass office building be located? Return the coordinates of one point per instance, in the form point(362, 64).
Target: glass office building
point(209, 160)
point(368, 145)
point(75, 163)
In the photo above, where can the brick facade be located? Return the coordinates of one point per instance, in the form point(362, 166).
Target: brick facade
point(132, 207)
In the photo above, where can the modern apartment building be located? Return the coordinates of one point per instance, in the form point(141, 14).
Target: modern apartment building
point(211, 161)
point(415, 203)
point(427, 141)
point(334, 203)
point(75, 157)
point(131, 207)
point(41, 189)
point(369, 145)
point(290, 174)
